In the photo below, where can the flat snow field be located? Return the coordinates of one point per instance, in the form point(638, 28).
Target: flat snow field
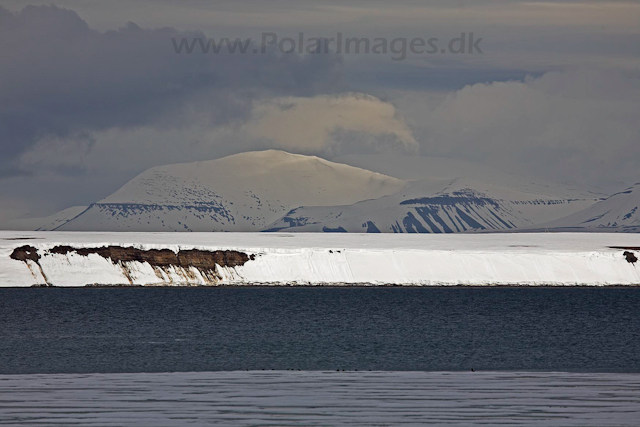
point(307, 398)
point(526, 259)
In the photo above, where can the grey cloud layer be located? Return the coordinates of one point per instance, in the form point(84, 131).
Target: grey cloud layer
point(82, 111)
point(61, 78)
point(575, 125)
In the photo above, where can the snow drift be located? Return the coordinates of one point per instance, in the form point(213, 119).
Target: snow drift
point(79, 259)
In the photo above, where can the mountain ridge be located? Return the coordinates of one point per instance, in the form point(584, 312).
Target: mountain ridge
point(274, 190)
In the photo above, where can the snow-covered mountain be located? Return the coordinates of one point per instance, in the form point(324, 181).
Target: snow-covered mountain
point(415, 168)
point(243, 192)
point(618, 212)
point(47, 223)
point(438, 200)
point(435, 205)
point(274, 190)
point(444, 195)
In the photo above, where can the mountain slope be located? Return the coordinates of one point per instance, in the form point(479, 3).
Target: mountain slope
point(273, 190)
point(47, 223)
point(243, 192)
point(619, 212)
point(417, 168)
point(435, 205)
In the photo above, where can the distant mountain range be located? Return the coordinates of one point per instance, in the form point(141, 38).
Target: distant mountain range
point(278, 191)
point(618, 212)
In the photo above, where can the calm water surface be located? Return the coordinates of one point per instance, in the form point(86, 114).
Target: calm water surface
point(64, 330)
point(321, 398)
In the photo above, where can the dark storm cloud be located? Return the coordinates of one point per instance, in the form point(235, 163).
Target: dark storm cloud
point(60, 78)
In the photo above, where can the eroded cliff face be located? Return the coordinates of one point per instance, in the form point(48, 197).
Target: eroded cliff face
point(190, 266)
point(29, 255)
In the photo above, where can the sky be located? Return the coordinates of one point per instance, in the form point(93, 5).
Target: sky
point(93, 93)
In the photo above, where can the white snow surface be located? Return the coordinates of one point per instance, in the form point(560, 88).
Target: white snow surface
point(526, 259)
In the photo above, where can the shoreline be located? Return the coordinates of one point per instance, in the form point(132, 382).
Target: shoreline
point(327, 286)
point(93, 259)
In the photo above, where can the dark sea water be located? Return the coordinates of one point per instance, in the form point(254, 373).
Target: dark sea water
point(82, 330)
